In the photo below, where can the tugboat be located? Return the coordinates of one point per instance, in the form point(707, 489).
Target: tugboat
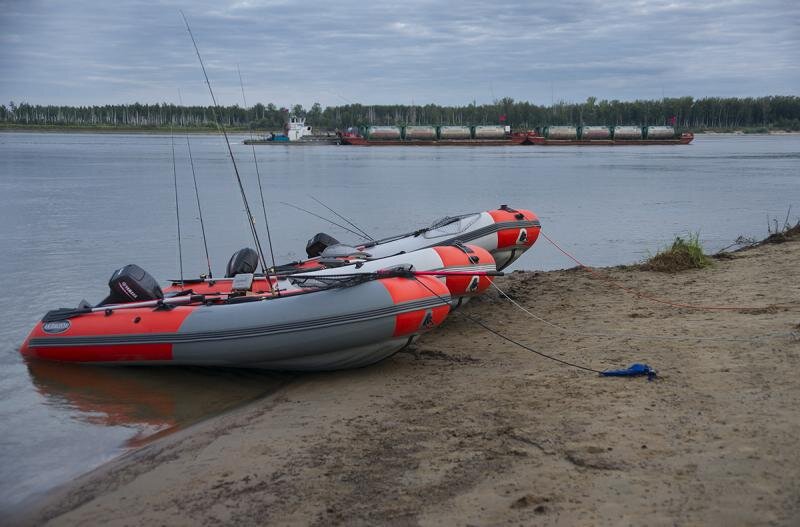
point(295, 132)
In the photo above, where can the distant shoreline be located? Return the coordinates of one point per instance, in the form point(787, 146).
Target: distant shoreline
point(118, 130)
point(211, 131)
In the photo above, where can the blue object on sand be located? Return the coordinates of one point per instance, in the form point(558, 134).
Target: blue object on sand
point(632, 371)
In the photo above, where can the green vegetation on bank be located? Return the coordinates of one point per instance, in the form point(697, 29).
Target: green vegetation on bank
point(751, 115)
point(120, 129)
point(683, 254)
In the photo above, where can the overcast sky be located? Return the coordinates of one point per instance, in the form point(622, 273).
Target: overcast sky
point(85, 52)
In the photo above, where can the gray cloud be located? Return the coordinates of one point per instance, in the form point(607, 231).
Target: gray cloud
point(95, 52)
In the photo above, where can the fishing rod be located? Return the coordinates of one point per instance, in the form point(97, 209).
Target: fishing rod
point(197, 195)
point(177, 210)
point(436, 225)
point(323, 218)
point(250, 218)
point(392, 273)
point(260, 188)
point(190, 298)
point(345, 219)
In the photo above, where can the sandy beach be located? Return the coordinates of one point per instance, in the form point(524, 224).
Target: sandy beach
point(468, 429)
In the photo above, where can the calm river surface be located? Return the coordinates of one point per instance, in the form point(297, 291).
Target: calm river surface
point(74, 207)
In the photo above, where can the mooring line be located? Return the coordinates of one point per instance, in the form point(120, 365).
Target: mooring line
point(509, 339)
point(640, 294)
point(641, 336)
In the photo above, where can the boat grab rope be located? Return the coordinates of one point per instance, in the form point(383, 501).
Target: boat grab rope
point(791, 334)
point(332, 281)
point(640, 294)
point(512, 341)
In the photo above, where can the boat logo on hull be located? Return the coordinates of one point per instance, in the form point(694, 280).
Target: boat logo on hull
point(427, 322)
point(473, 284)
point(522, 237)
point(55, 327)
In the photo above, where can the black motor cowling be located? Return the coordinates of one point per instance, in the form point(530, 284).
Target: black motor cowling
point(132, 284)
point(243, 261)
point(319, 243)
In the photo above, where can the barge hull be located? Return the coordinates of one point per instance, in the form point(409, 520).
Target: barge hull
point(519, 139)
point(684, 139)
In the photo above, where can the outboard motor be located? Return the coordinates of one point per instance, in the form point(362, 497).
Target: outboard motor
point(243, 261)
point(131, 284)
point(319, 243)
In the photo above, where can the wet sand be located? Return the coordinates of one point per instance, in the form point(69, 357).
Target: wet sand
point(467, 429)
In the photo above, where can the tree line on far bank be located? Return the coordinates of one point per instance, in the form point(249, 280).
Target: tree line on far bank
point(761, 113)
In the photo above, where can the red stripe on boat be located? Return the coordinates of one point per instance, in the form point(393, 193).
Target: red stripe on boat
point(139, 321)
point(115, 353)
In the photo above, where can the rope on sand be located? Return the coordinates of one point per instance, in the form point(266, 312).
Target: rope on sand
point(639, 294)
point(512, 341)
point(791, 334)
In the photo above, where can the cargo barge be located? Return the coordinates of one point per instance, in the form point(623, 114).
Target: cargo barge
point(495, 135)
point(608, 136)
point(351, 140)
point(425, 135)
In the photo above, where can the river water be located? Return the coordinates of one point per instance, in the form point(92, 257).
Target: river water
point(74, 207)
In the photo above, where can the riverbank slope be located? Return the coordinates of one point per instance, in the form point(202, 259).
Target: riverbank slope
point(469, 429)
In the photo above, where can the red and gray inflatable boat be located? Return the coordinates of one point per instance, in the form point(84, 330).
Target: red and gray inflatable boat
point(343, 317)
point(505, 232)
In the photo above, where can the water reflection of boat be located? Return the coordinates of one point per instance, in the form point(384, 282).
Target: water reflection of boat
point(152, 401)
